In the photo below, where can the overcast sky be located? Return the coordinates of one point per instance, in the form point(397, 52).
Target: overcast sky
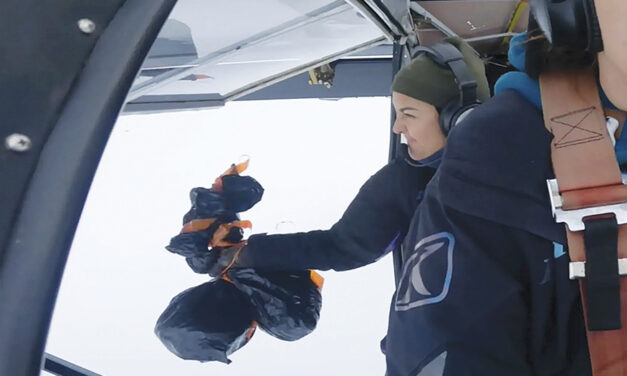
point(310, 155)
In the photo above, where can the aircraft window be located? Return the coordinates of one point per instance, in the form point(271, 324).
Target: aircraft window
point(311, 156)
point(226, 47)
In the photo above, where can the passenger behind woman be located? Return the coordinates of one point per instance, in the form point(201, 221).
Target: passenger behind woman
point(485, 289)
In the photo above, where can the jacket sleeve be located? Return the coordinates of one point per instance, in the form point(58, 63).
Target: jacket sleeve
point(369, 228)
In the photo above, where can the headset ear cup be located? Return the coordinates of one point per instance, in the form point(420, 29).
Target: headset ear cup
point(537, 47)
point(451, 114)
point(447, 114)
point(540, 19)
point(595, 39)
point(463, 112)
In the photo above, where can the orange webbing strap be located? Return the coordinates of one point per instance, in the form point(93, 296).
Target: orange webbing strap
point(588, 176)
point(317, 279)
point(217, 240)
point(235, 169)
point(240, 248)
point(197, 225)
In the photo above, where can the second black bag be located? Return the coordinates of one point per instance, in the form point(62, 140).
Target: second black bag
point(287, 304)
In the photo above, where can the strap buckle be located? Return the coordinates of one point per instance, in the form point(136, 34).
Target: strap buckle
point(577, 269)
point(574, 219)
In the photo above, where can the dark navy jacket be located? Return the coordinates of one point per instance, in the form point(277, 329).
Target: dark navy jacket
point(375, 222)
point(484, 288)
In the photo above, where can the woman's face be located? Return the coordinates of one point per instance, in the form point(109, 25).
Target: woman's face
point(419, 122)
point(613, 59)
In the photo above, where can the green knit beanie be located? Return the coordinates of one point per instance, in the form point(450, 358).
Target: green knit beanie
point(425, 80)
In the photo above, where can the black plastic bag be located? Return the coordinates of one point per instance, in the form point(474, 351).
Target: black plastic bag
point(195, 244)
point(287, 304)
point(192, 244)
point(206, 203)
point(203, 263)
point(207, 322)
point(240, 193)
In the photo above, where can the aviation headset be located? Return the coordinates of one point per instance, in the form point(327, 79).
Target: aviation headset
point(449, 57)
point(571, 30)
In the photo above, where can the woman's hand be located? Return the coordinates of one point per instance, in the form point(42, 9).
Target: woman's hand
point(226, 260)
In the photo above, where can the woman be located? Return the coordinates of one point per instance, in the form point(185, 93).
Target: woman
point(377, 219)
point(486, 289)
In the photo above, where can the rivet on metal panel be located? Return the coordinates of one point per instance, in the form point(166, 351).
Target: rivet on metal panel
point(18, 142)
point(86, 25)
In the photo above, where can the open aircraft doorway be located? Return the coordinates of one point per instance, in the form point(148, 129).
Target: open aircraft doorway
point(151, 62)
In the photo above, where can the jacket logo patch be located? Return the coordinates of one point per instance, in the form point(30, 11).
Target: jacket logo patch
point(435, 367)
point(558, 250)
point(427, 273)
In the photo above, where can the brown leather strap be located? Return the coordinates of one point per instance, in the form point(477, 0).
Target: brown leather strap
point(585, 198)
point(581, 150)
point(588, 175)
